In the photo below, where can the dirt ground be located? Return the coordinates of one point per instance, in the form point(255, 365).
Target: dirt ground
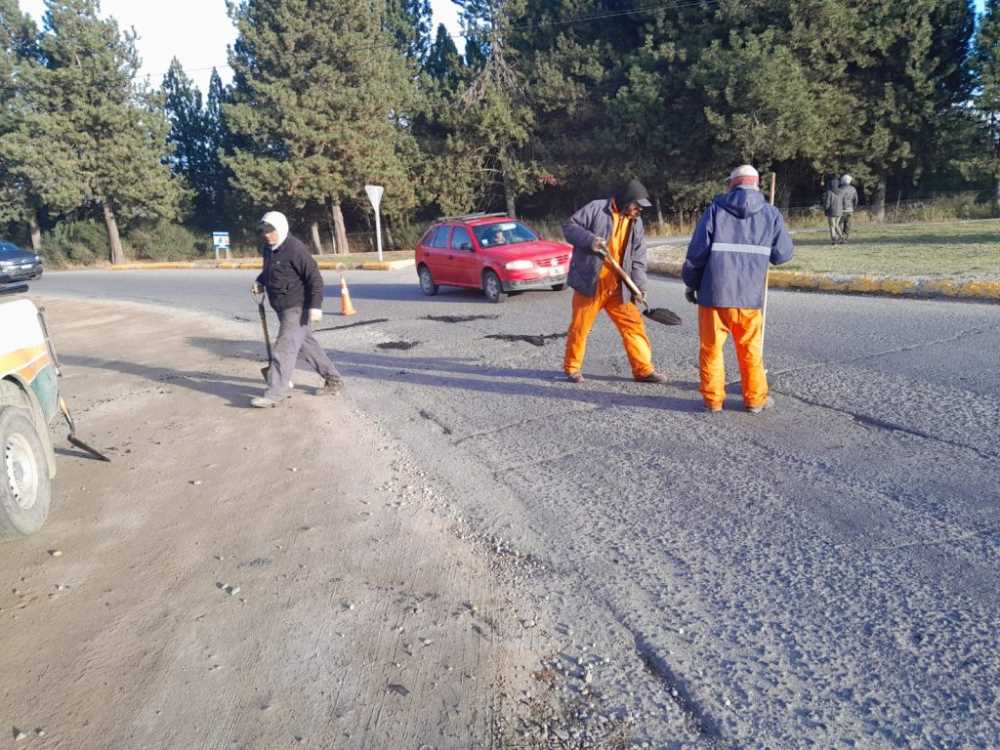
point(241, 578)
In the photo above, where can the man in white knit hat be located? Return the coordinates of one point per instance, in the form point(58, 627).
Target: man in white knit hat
point(848, 204)
point(294, 288)
point(725, 273)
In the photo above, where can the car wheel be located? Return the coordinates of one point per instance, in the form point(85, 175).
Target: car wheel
point(558, 287)
point(25, 487)
point(427, 285)
point(492, 287)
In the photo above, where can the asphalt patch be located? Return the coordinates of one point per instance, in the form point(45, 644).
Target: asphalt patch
point(403, 345)
point(538, 339)
point(459, 318)
point(353, 325)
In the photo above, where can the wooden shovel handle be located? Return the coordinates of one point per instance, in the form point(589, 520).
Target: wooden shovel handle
point(624, 276)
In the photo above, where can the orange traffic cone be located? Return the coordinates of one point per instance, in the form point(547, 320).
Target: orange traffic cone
point(346, 308)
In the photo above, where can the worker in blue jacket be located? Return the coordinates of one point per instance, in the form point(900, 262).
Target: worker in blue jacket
point(725, 273)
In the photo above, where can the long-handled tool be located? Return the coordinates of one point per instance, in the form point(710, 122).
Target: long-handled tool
point(73, 439)
point(659, 314)
point(259, 299)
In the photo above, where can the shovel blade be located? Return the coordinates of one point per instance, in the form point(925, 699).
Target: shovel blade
point(663, 315)
point(74, 440)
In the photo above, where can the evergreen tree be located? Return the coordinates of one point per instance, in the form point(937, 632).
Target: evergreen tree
point(410, 22)
point(220, 143)
point(188, 132)
point(197, 133)
point(320, 103)
point(443, 63)
point(19, 199)
point(496, 119)
point(98, 136)
point(986, 69)
point(907, 67)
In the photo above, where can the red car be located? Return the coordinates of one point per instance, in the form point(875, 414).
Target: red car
point(491, 252)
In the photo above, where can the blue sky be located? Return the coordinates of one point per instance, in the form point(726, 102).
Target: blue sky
point(198, 31)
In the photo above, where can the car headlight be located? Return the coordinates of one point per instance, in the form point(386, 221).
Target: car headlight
point(4, 265)
point(520, 265)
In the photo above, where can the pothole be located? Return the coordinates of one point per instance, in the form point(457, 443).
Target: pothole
point(353, 325)
point(459, 318)
point(401, 345)
point(538, 339)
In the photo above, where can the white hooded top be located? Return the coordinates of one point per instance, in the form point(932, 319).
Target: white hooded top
point(277, 220)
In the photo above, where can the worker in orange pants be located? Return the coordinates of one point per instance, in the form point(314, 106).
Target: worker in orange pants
point(624, 315)
point(746, 325)
point(725, 273)
point(612, 226)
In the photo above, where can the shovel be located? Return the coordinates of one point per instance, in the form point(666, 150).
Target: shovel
point(73, 439)
point(259, 299)
point(660, 314)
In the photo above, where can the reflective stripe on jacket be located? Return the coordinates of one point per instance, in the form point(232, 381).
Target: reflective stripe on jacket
point(736, 238)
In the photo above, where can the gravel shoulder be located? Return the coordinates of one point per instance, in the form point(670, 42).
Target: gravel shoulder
point(244, 579)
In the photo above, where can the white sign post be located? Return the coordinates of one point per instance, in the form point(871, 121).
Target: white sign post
point(375, 196)
point(220, 241)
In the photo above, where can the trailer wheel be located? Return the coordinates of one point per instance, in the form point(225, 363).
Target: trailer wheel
point(25, 487)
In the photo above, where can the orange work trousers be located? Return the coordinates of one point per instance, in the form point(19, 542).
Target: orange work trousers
point(625, 316)
point(746, 326)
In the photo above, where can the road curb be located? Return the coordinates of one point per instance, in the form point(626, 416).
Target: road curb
point(923, 288)
point(250, 264)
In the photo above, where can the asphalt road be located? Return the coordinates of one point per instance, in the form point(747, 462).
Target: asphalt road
point(823, 575)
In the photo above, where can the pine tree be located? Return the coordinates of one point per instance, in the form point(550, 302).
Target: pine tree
point(320, 102)
point(907, 67)
point(219, 142)
point(98, 135)
point(188, 132)
point(496, 119)
point(197, 133)
point(443, 63)
point(19, 199)
point(986, 69)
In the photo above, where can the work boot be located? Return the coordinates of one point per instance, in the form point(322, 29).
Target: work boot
point(762, 407)
point(261, 402)
point(333, 386)
point(713, 409)
point(574, 377)
point(653, 377)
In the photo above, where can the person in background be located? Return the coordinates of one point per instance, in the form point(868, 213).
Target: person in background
point(848, 203)
point(294, 288)
point(833, 208)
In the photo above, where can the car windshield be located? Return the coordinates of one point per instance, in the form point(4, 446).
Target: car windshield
point(6, 247)
point(503, 233)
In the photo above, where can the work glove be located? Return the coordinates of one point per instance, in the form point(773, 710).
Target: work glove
point(639, 299)
point(315, 316)
point(691, 295)
point(256, 289)
point(599, 247)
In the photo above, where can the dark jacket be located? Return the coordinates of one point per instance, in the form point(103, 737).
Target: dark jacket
point(848, 199)
point(738, 235)
point(833, 200)
point(592, 221)
point(291, 276)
